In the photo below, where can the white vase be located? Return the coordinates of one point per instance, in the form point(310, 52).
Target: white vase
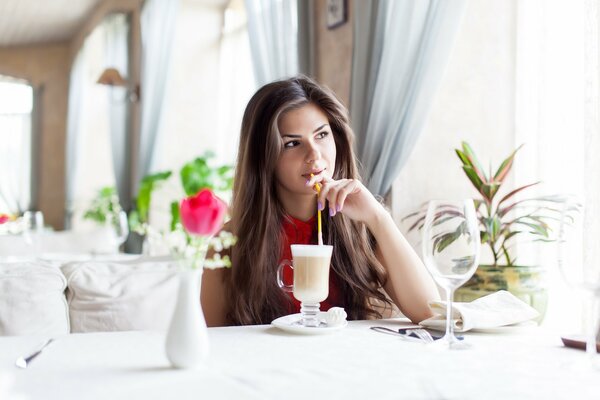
point(187, 339)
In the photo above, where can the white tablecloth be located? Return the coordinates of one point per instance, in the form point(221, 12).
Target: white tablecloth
point(261, 362)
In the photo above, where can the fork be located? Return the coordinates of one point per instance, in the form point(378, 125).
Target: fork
point(24, 361)
point(418, 333)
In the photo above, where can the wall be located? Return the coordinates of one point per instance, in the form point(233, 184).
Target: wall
point(47, 69)
point(333, 64)
point(475, 102)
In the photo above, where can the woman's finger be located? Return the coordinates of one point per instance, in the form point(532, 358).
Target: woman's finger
point(333, 190)
point(348, 188)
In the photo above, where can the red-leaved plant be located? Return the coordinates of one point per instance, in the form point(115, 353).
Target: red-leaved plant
point(500, 218)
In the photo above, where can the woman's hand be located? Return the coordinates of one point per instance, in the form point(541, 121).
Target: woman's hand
point(348, 196)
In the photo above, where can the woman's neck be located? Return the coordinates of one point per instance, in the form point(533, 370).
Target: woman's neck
point(302, 207)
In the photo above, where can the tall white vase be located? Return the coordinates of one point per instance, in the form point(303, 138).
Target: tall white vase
point(187, 339)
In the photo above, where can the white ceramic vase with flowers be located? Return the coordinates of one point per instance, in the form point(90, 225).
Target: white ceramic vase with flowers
point(202, 215)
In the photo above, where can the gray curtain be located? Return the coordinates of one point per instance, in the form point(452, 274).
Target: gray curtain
point(273, 34)
point(401, 48)
point(116, 41)
point(76, 86)
point(158, 31)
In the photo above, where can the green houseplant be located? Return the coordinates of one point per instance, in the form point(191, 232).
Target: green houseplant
point(502, 219)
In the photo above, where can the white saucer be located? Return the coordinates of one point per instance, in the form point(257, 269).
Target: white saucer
point(290, 323)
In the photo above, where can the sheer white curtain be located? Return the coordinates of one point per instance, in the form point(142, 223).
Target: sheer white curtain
point(401, 50)
point(273, 33)
point(116, 37)
point(74, 119)
point(16, 100)
point(158, 20)
point(557, 107)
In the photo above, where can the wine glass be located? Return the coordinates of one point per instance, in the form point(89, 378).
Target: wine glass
point(451, 244)
point(577, 270)
point(121, 225)
point(33, 227)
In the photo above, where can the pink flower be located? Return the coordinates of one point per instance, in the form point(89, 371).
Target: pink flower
point(4, 218)
point(203, 213)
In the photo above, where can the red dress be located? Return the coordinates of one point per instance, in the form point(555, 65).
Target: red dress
point(303, 232)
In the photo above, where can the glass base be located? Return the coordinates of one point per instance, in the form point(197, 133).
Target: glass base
point(310, 312)
point(451, 342)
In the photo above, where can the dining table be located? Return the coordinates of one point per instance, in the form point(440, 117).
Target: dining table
point(264, 362)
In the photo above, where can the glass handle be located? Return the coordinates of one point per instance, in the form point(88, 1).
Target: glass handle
point(287, 288)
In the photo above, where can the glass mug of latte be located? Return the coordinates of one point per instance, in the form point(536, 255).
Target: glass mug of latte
point(311, 279)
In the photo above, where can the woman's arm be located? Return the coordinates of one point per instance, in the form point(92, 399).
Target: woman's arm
point(409, 285)
point(212, 295)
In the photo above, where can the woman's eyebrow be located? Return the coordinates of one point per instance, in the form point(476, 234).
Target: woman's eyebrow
point(319, 128)
point(300, 136)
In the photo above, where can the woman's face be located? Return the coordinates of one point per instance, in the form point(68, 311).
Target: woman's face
point(307, 147)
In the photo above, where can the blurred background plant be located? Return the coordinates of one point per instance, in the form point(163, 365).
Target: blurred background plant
point(105, 207)
point(501, 219)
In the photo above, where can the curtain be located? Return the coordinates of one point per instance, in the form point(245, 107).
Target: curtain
point(74, 113)
point(116, 39)
point(558, 119)
point(401, 49)
point(273, 34)
point(158, 31)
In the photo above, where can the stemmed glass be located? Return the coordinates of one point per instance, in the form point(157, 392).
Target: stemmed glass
point(121, 225)
point(33, 222)
point(451, 244)
point(577, 271)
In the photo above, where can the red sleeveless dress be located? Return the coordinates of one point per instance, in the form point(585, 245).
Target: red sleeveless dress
point(304, 232)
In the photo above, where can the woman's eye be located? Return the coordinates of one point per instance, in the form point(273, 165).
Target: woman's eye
point(321, 135)
point(291, 144)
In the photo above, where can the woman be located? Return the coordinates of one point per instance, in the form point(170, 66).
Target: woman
point(294, 135)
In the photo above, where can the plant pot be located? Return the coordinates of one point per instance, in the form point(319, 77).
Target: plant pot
point(525, 282)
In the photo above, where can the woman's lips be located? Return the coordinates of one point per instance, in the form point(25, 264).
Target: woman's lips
point(308, 175)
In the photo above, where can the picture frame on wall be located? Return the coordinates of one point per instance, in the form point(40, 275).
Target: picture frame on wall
point(337, 13)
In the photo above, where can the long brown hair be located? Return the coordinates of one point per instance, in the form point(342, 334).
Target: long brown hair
point(257, 215)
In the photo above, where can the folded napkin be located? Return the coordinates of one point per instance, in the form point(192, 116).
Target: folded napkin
point(491, 311)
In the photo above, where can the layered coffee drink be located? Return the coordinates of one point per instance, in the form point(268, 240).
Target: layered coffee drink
point(311, 278)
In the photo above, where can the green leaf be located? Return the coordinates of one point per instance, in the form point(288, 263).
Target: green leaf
point(147, 186)
point(514, 192)
point(198, 174)
point(463, 158)
point(504, 168)
point(175, 215)
point(536, 228)
point(468, 151)
point(104, 206)
point(445, 240)
point(473, 177)
point(489, 190)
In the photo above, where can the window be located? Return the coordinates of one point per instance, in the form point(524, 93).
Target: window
point(94, 168)
point(211, 80)
point(16, 103)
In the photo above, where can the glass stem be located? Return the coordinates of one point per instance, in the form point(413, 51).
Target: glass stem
point(449, 319)
point(593, 327)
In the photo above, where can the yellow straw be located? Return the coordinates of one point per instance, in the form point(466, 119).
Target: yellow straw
point(319, 231)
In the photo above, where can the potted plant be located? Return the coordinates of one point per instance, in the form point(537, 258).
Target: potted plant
point(502, 219)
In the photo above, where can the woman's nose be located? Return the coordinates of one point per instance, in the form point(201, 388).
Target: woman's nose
point(313, 153)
